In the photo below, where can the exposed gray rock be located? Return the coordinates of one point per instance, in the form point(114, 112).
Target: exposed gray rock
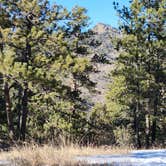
point(105, 52)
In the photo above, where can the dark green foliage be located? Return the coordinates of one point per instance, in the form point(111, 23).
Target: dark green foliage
point(42, 70)
point(140, 93)
point(46, 65)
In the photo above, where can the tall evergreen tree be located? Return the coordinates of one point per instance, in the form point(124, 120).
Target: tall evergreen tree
point(39, 50)
point(141, 64)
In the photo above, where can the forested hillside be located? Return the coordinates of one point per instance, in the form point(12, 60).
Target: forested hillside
point(61, 81)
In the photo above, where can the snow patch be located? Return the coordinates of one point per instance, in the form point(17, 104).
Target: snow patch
point(135, 158)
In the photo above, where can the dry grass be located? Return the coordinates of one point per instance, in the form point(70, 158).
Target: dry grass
point(34, 155)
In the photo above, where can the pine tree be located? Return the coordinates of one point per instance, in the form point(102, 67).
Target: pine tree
point(141, 63)
point(6, 24)
point(40, 50)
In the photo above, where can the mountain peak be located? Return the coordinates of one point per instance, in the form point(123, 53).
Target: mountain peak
point(101, 28)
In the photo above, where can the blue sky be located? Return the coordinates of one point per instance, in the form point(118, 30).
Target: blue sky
point(100, 11)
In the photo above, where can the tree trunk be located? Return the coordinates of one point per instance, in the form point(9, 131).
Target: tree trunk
point(136, 127)
point(19, 107)
point(156, 100)
point(154, 120)
point(147, 122)
point(147, 131)
point(24, 112)
point(27, 57)
point(9, 111)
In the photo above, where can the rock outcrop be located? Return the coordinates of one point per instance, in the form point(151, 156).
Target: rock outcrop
point(104, 56)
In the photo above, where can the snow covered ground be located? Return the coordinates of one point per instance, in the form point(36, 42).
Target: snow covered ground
point(135, 158)
point(5, 163)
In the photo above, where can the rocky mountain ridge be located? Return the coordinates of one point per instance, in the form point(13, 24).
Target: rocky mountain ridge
point(103, 34)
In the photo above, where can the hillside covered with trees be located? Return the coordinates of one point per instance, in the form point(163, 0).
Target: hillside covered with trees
point(60, 80)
